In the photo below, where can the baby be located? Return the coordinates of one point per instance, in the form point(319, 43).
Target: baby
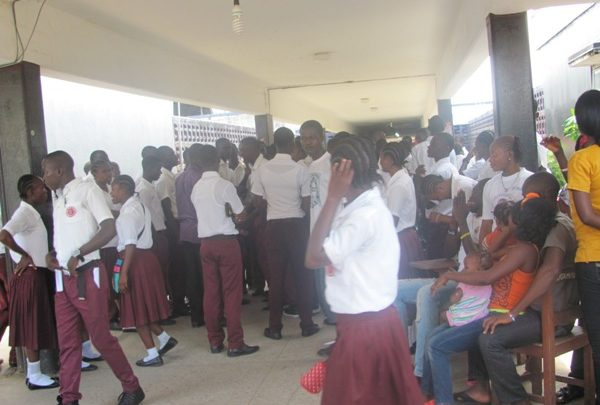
point(469, 302)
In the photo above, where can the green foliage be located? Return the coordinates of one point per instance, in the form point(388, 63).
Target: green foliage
point(555, 169)
point(570, 128)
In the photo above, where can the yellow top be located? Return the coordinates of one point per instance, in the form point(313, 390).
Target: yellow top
point(584, 176)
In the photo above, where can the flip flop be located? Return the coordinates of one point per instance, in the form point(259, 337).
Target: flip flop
point(464, 398)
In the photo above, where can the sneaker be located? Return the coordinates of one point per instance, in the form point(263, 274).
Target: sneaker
point(291, 311)
point(316, 310)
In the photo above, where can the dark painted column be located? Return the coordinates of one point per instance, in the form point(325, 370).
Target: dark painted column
point(22, 144)
point(264, 128)
point(508, 40)
point(445, 112)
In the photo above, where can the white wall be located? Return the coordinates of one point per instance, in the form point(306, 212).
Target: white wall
point(81, 118)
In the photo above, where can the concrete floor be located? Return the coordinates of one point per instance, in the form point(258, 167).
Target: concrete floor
point(192, 375)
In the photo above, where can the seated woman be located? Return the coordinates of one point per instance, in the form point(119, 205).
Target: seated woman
point(510, 279)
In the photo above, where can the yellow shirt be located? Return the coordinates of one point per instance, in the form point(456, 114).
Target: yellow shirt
point(584, 176)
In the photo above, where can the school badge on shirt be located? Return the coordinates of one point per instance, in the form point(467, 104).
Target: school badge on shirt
point(71, 212)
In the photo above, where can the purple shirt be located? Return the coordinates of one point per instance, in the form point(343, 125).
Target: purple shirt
point(188, 222)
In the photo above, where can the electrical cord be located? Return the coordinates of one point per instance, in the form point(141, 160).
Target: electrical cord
point(20, 49)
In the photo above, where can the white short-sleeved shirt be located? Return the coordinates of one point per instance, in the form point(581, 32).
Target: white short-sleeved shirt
point(486, 172)
point(457, 184)
point(364, 251)
point(28, 230)
point(420, 157)
point(474, 168)
point(444, 168)
point(283, 183)
point(503, 188)
point(319, 173)
point(260, 160)
point(79, 208)
point(149, 198)
point(401, 199)
point(234, 176)
point(209, 196)
point(165, 188)
point(134, 225)
point(113, 207)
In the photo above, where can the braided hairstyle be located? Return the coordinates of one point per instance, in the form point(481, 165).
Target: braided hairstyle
point(429, 183)
point(25, 183)
point(397, 151)
point(361, 153)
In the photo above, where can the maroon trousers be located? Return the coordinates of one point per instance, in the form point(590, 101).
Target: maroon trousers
point(287, 239)
point(222, 272)
point(160, 247)
point(71, 312)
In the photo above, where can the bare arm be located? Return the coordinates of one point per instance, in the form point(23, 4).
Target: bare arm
point(586, 212)
point(26, 261)
point(127, 260)
point(486, 228)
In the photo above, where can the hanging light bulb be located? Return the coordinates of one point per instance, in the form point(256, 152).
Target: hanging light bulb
point(236, 14)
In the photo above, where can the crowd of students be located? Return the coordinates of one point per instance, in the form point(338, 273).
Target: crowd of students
point(312, 224)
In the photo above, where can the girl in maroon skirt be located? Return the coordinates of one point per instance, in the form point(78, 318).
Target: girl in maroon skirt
point(31, 318)
point(143, 295)
point(370, 362)
point(401, 199)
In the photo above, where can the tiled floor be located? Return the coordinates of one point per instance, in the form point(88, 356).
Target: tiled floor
point(191, 375)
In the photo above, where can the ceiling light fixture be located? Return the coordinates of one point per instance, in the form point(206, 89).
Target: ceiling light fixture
point(236, 15)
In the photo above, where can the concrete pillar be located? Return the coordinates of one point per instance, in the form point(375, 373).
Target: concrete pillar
point(264, 128)
point(508, 40)
point(22, 145)
point(445, 112)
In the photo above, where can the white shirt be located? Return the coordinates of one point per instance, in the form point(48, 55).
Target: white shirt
point(260, 160)
point(542, 151)
point(474, 168)
point(444, 168)
point(79, 208)
point(486, 172)
point(401, 199)
point(420, 157)
point(134, 225)
point(234, 176)
point(209, 196)
point(113, 207)
point(319, 173)
point(503, 188)
point(474, 225)
point(364, 251)
point(283, 183)
point(28, 230)
point(165, 188)
point(457, 184)
point(150, 199)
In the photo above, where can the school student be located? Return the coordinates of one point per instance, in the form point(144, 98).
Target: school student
point(476, 164)
point(370, 362)
point(82, 225)
point(439, 150)
point(143, 297)
point(217, 206)
point(584, 187)
point(31, 316)
point(401, 200)
point(505, 157)
point(283, 184)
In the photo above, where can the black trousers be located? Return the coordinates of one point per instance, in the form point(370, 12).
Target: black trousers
point(194, 287)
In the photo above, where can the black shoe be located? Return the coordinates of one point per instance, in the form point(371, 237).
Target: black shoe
point(217, 349)
point(568, 394)
point(131, 398)
point(311, 330)
point(180, 312)
point(316, 310)
point(59, 401)
point(329, 322)
point(155, 362)
point(34, 387)
point(272, 334)
point(92, 359)
point(258, 293)
point(197, 324)
point(171, 343)
point(90, 367)
point(291, 311)
point(167, 322)
point(130, 330)
point(325, 351)
point(242, 351)
point(245, 301)
point(115, 326)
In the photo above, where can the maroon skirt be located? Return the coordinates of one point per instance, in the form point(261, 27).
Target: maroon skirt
point(109, 256)
point(145, 301)
point(31, 310)
point(370, 362)
point(410, 251)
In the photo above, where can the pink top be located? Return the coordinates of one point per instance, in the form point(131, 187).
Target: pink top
point(472, 306)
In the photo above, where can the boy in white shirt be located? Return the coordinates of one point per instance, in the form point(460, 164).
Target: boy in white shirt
point(217, 206)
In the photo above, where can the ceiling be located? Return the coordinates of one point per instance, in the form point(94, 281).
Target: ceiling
point(389, 51)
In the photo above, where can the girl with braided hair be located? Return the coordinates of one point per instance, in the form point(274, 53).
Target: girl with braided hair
point(401, 199)
point(370, 362)
point(31, 315)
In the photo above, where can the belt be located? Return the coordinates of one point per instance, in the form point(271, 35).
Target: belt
point(81, 293)
point(220, 237)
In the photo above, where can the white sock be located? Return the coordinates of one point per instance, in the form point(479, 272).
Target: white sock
point(84, 364)
point(88, 350)
point(35, 376)
point(163, 338)
point(152, 354)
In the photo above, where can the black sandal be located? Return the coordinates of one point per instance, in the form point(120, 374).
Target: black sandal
point(464, 398)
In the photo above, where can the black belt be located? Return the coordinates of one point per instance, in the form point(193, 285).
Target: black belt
point(81, 280)
point(220, 237)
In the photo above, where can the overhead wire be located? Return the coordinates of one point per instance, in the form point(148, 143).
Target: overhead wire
point(20, 48)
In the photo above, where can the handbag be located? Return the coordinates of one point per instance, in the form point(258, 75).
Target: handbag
point(314, 379)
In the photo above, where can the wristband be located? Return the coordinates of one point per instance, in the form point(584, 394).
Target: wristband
point(464, 235)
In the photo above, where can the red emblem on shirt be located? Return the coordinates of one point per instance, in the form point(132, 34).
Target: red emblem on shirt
point(71, 212)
